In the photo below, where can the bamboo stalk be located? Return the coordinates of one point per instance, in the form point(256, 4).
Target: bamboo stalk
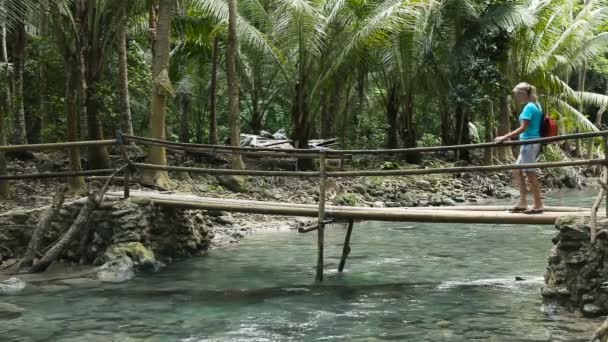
point(346, 248)
point(56, 146)
point(332, 208)
point(226, 171)
point(372, 214)
point(321, 218)
point(490, 168)
point(66, 174)
point(379, 151)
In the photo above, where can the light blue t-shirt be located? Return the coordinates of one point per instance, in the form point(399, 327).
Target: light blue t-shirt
point(534, 114)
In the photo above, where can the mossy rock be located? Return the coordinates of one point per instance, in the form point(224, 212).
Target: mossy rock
point(232, 183)
point(134, 250)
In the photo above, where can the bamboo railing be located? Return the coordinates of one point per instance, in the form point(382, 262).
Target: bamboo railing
point(322, 154)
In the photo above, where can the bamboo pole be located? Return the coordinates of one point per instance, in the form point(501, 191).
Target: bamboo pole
point(321, 218)
point(226, 171)
point(332, 208)
point(380, 151)
point(346, 248)
point(56, 146)
point(490, 168)
point(370, 172)
point(66, 174)
point(377, 214)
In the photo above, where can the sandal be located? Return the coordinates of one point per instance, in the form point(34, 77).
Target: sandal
point(533, 211)
point(517, 210)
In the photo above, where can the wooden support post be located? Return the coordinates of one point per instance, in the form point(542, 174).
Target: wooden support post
point(321, 219)
point(346, 248)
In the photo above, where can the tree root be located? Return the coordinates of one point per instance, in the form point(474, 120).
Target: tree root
point(601, 334)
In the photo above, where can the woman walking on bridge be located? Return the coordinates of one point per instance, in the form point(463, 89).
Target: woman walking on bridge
point(530, 126)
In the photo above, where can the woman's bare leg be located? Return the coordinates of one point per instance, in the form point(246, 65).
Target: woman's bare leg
point(535, 189)
point(519, 181)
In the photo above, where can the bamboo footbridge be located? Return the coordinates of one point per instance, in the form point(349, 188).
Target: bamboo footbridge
point(326, 213)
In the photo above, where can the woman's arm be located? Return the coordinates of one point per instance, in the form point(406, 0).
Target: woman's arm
point(521, 129)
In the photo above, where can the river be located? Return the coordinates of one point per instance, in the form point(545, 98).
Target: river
point(402, 282)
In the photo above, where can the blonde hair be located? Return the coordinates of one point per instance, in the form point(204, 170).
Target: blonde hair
point(527, 88)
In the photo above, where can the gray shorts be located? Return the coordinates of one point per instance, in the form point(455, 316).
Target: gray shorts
point(528, 155)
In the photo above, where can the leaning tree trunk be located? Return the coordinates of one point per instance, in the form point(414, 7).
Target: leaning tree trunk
point(213, 138)
point(44, 70)
point(233, 84)
point(20, 132)
point(162, 89)
point(301, 124)
point(126, 124)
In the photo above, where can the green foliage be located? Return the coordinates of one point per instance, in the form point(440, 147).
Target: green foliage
point(429, 139)
point(390, 165)
point(347, 199)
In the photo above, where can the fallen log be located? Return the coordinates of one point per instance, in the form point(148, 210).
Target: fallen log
point(47, 217)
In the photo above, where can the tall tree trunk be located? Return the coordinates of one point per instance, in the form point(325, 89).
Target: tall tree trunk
point(505, 154)
point(185, 108)
point(162, 90)
point(301, 123)
point(489, 152)
point(392, 116)
point(98, 155)
point(598, 124)
point(44, 74)
point(361, 85)
point(4, 110)
point(20, 132)
point(462, 133)
point(408, 129)
point(446, 125)
point(328, 120)
point(126, 124)
point(581, 87)
point(233, 84)
point(213, 137)
point(73, 92)
point(256, 117)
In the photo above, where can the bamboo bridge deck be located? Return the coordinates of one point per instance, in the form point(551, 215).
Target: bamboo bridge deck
point(455, 214)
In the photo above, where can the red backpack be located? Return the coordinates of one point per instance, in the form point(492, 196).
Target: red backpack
point(548, 126)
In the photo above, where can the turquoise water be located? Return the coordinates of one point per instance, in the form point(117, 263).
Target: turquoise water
point(403, 282)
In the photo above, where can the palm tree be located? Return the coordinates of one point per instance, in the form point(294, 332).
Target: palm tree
point(162, 90)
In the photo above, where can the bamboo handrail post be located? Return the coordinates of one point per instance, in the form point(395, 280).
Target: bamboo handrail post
point(346, 248)
point(321, 217)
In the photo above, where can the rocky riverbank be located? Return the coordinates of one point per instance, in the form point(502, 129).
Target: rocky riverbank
point(577, 269)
